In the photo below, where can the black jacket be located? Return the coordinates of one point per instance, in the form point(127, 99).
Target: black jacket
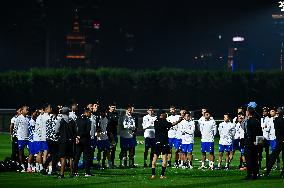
point(279, 128)
point(162, 127)
point(252, 129)
point(67, 131)
point(83, 125)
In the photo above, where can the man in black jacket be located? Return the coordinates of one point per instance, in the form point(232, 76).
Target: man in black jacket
point(83, 141)
point(279, 132)
point(252, 129)
point(162, 126)
point(66, 129)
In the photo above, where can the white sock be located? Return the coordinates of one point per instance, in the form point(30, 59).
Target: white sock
point(29, 165)
point(181, 163)
point(227, 164)
point(37, 167)
point(49, 168)
point(202, 163)
point(40, 167)
point(23, 166)
point(219, 165)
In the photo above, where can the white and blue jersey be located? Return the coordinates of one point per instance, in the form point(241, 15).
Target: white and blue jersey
point(208, 132)
point(31, 128)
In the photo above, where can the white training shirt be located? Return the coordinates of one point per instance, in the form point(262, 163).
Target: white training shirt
point(127, 126)
point(13, 121)
point(208, 130)
point(102, 135)
point(40, 127)
point(73, 116)
point(271, 130)
point(265, 125)
point(239, 131)
point(148, 126)
point(226, 132)
point(93, 126)
point(173, 130)
point(187, 128)
point(22, 123)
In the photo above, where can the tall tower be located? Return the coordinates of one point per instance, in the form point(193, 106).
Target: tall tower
point(278, 24)
point(76, 53)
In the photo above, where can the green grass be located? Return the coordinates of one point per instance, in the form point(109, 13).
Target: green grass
point(139, 177)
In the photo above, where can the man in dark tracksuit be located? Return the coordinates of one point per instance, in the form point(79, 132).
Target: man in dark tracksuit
point(279, 131)
point(112, 117)
point(83, 141)
point(252, 129)
point(66, 129)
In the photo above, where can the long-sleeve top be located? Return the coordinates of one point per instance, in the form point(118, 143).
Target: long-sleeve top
point(162, 127)
point(22, 127)
point(208, 130)
point(252, 129)
point(83, 125)
point(127, 126)
point(279, 128)
point(226, 132)
point(187, 129)
point(148, 126)
point(66, 129)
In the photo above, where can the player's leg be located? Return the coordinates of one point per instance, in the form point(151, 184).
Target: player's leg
point(146, 151)
point(154, 162)
point(227, 160)
point(164, 166)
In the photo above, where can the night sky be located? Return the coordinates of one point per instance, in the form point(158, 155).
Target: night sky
point(167, 33)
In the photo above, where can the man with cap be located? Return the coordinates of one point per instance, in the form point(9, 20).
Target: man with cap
point(279, 131)
point(252, 130)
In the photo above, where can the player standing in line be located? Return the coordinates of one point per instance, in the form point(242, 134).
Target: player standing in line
point(14, 139)
point(74, 110)
point(226, 131)
point(40, 142)
point(238, 142)
point(162, 127)
point(103, 142)
point(149, 135)
point(265, 125)
point(22, 123)
point(112, 117)
point(187, 127)
point(127, 139)
point(271, 134)
point(208, 132)
point(31, 129)
point(173, 117)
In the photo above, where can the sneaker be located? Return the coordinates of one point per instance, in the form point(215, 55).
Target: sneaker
point(60, 176)
point(88, 175)
point(190, 167)
point(43, 172)
point(23, 170)
point(76, 174)
point(243, 168)
point(152, 177)
point(202, 167)
point(175, 166)
point(163, 177)
point(184, 167)
point(29, 170)
point(226, 168)
point(218, 168)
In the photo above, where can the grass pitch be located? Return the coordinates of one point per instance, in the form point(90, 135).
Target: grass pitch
point(139, 177)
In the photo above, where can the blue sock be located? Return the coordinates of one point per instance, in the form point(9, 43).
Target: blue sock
point(163, 171)
point(153, 171)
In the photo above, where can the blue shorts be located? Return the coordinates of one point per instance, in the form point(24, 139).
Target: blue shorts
point(207, 147)
point(127, 142)
point(171, 142)
point(226, 148)
point(94, 143)
point(187, 148)
point(177, 144)
point(238, 145)
point(150, 143)
point(22, 144)
point(103, 145)
point(32, 148)
point(272, 144)
point(40, 146)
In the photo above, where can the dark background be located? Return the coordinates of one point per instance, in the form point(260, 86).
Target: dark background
point(166, 33)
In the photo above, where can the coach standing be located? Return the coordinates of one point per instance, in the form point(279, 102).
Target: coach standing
point(252, 129)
